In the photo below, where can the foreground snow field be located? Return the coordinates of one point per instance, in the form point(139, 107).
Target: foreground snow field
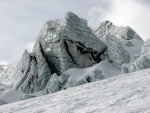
point(9, 95)
point(122, 94)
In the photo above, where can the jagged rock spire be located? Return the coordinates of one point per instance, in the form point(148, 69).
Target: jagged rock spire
point(61, 44)
point(69, 42)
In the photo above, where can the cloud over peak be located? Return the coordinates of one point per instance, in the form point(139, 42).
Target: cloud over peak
point(133, 13)
point(20, 21)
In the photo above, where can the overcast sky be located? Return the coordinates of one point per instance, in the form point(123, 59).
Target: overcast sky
point(21, 20)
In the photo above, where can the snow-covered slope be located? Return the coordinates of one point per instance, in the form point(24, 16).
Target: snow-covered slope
point(91, 74)
point(120, 52)
point(9, 95)
point(6, 72)
point(142, 60)
point(121, 32)
point(75, 76)
point(123, 94)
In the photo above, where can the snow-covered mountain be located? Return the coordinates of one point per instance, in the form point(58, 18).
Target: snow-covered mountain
point(62, 44)
point(69, 43)
point(122, 42)
point(68, 53)
point(129, 93)
point(121, 32)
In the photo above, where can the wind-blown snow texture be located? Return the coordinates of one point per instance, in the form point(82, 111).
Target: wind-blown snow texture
point(123, 94)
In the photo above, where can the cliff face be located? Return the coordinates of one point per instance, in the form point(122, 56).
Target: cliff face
point(36, 75)
point(61, 44)
point(69, 43)
point(122, 42)
point(120, 52)
point(121, 32)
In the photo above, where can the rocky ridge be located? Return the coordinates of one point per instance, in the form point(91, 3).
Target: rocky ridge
point(122, 42)
point(69, 43)
point(61, 44)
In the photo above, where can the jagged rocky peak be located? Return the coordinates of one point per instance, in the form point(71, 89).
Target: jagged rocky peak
point(32, 72)
point(62, 44)
point(122, 42)
point(121, 32)
point(69, 42)
point(120, 52)
point(21, 68)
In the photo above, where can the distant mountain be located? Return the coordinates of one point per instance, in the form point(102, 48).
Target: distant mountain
point(121, 32)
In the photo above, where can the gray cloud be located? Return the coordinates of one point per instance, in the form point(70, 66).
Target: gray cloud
point(134, 13)
point(21, 20)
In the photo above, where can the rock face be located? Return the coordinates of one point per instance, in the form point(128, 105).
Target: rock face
point(53, 85)
point(34, 73)
point(122, 42)
point(122, 33)
point(143, 62)
point(62, 44)
point(120, 52)
point(69, 42)
point(22, 68)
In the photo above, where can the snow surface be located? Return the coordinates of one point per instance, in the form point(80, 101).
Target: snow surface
point(128, 93)
point(9, 95)
point(77, 74)
point(6, 72)
point(134, 48)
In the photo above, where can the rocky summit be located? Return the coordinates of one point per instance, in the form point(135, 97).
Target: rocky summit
point(62, 44)
point(68, 53)
point(122, 42)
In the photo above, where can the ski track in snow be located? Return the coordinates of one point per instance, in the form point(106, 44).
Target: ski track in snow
point(122, 94)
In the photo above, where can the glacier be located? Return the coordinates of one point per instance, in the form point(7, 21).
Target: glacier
point(70, 58)
point(129, 93)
